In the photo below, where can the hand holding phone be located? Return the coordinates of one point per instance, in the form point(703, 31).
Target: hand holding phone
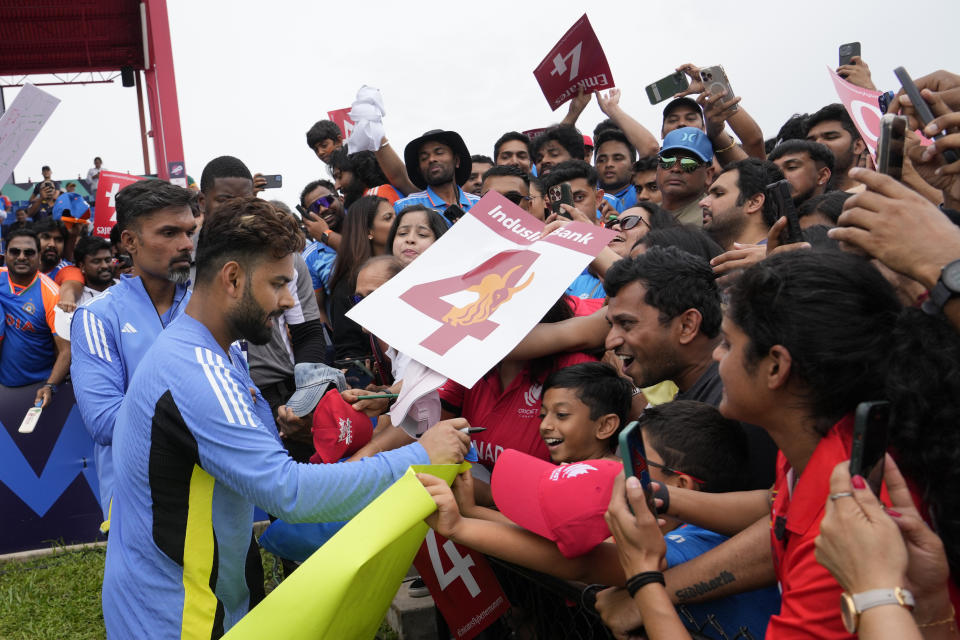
point(783, 206)
point(924, 114)
point(560, 194)
point(635, 460)
point(273, 181)
point(848, 51)
point(870, 442)
point(893, 131)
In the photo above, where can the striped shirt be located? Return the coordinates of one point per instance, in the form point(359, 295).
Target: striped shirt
point(195, 448)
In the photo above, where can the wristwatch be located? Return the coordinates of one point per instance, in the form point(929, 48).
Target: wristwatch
point(948, 286)
point(851, 606)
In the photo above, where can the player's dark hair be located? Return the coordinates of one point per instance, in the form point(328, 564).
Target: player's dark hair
point(48, 225)
point(223, 167)
point(646, 163)
point(674, 280)
point(246, 230)
point(615, 135)
point(819, 153)
point(566, 136)
point(833, 312)
point(87, 246)
point(323, 130)
point(313, 185)
point(507, 137)
point(694, 438)
point(481, 159)
point(145, 197)
point(436, 222)
point(691, 239)
point(25, 232)
point(829, 204)
point(567, 171)
point(507, 170)
point(597, 385)
point(835, 111)
point(354, 241)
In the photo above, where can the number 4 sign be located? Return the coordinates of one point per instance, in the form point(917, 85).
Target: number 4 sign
point(462, 584)
point(576, 61)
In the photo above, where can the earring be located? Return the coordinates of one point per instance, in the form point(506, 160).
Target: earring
point(369, 236)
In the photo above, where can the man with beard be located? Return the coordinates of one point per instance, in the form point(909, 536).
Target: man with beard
point(736, 208)
point(95, 261)
point(111, 333)
point(358, 174)
point(437, 162)
point(557, 144)
point(807, 166)
point(271, 363)
point(32, 351)
point(198, 448)
point(319, 199)
point(832, 127)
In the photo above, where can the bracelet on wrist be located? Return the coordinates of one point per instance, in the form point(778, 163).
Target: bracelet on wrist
point(951, 620)
point(733, 143)
point(641, 580)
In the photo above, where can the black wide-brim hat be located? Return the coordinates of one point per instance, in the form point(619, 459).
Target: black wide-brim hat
point(453, 140)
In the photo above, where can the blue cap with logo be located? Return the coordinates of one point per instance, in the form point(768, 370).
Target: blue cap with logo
point(689, 139)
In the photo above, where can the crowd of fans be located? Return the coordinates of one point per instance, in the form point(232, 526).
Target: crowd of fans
point(743, 356)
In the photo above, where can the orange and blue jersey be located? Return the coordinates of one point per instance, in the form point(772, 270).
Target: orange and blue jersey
point(28, 315)
point(431, 200)
point(386, 191)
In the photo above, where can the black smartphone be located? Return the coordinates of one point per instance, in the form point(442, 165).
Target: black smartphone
point(847, 51)
point(667, 87)
point(560, 194)
point(893, 131)
point(870, 442)
point(634, 456)
point(274, 181)
point(783, 204)
point(924, 115)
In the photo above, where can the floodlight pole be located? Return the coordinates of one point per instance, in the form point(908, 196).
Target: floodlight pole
point(161, 87)
point(143, 126)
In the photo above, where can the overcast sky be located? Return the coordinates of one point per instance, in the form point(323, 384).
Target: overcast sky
point(253, 76)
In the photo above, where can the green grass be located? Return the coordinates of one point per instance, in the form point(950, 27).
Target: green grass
point(53, 597)
point(57, 597)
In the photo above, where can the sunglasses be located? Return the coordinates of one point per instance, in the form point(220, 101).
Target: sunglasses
point(16, 253)
point(674, 471)
point(687, 165)
point(626, 223)
point(323, 202)
point(516, 197)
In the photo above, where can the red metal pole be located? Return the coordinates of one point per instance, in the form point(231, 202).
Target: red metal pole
point(162, 89)
point(143, 126)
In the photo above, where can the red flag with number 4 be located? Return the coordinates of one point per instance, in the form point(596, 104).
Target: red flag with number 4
point(341, 117)
point(462, 585)
point(576, 61)
point(105, 212)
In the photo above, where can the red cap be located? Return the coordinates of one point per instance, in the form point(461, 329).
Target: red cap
point(338, 429)
point(587, 141)
point(562, 503)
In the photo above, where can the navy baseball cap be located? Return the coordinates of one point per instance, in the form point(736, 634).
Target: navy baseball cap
point(689, 139)
point(685, 101)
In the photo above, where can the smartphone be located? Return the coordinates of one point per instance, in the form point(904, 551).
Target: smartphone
point(847, 51)
point(883, 101)
point(783, 205)
point(893, 131)
point(870, 442)
point(715, 81)
point(274, 181)
point(30, 420)
point(560, 194)
point(635, 460)
point(924, 115)
point(667, 87)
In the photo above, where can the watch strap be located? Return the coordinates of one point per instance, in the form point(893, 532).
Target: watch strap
point(876, 597)
point(941, 293)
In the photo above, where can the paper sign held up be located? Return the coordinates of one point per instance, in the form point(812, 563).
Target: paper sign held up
point(471, 297)
point(341, 118)
point(576, 61)
point(105, 214)
point(20, 125)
